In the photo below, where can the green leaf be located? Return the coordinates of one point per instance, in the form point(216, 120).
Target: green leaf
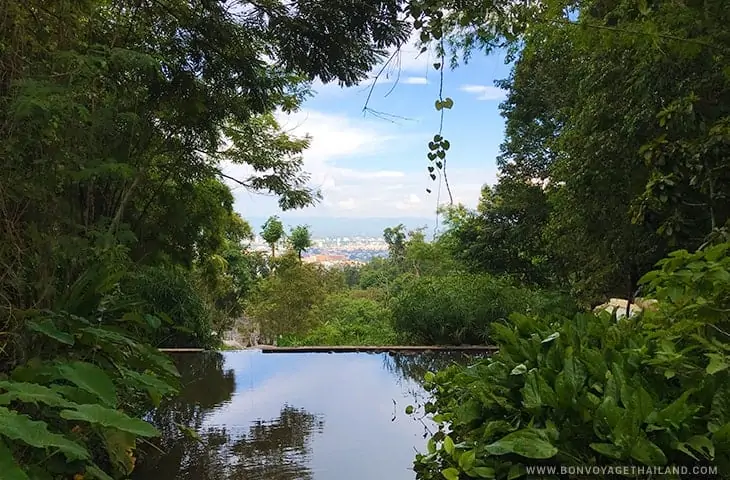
point(640, 403)
point(20, 427)
point(445, 144)
point(519, 369)
point(409, 409)
point(449, 445)
point(94, 472)
point(448, 103)
point(48, 328)
point(153, 321)
point(608, 450)
point(106, 417)
point(647, 452)
point(516, 471)
point(484, 472)
point(118, 444)
point(717, 363)
point(551, 337)
point(32, 393)
point(441, 154)
point(436, 65)
point(528, 442)
point(439, 105)
point(450, 473)
point(467, 459)
point(429, 377)
point(10, 470)
point(91, 378)
point(703, 445)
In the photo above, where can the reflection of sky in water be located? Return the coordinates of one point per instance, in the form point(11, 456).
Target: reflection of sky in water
point(292, 416)
point(353, 393)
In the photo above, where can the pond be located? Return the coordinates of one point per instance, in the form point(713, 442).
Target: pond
point(292, 416)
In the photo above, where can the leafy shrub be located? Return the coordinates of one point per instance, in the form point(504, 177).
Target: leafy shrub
point(589, 390)
point(456, 309)
point(281, 303)
point(171, 294)
point(342, 319)
point(64, 414)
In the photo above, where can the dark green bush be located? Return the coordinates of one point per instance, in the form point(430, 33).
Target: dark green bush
point(344, 319)
point(458, 309)
point(171, 294)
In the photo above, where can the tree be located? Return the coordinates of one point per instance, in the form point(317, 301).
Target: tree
point(272, 232)
point(395, 237)
point(300, 239)
point(623, 182)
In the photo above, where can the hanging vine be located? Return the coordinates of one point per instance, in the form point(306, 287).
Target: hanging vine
point(429, 21)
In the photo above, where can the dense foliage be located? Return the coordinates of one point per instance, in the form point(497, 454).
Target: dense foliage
point(609, 160)
point(117, 121)
point(588, 390)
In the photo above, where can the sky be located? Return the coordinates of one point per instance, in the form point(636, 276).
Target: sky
point(367, 166)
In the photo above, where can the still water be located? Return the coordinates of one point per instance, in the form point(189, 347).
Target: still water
point(309, 416)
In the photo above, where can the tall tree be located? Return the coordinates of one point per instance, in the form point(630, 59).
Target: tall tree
point(300, 239)
point(395, 238)
point(272, 233)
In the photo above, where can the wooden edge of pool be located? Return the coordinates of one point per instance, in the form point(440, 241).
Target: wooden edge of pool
point(351, 349)
point(392, 348)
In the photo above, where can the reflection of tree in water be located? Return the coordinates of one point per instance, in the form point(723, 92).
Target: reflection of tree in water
point(277, 449)
point(413, 366)
point(205, 385)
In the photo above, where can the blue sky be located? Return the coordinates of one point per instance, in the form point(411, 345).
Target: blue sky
point(369, 167)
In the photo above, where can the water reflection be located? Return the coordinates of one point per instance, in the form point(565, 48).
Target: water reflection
point(291, 417)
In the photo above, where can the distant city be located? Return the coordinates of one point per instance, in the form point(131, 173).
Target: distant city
point(334, 251)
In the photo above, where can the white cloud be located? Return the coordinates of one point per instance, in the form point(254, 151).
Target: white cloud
point(339, 161)
point(416, 81)
point(485, 92)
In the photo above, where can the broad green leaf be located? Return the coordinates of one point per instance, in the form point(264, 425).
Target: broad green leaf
point(91, 378)
point(647, 452)
point(484, 472)
point(528, 442)
point(47, 327)
point(450, 473)
point(717, 363)
point(606, 418)
point(10, 470)
point(703, 445)
point(516, 471)
point(32, 393)
point(429, 377)
point(156, 387)
point(467, 459)
point(608, 449)
point(106, 417)
point(20, 427)
point(94, 472)
point(153, 321)
point(105, 335)
point(640, 403)
point(519, 369)
point(449, 445)
point(409, 409)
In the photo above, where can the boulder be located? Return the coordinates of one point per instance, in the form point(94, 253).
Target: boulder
point(619, 305)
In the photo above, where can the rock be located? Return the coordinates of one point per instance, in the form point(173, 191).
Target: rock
point(619, 306)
